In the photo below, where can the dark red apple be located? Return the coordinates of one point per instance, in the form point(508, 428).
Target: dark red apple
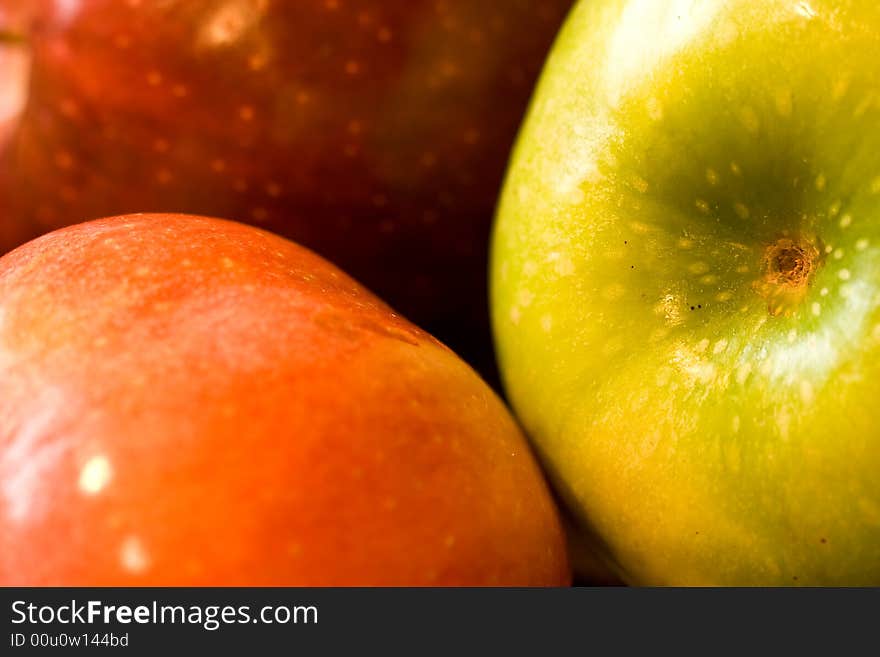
point(189, 401)
point(374, 131)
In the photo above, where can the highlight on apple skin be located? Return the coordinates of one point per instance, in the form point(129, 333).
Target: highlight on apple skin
point(190, 401)
point(686, 287)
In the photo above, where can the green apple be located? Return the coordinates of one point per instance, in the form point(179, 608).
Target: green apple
point(686, 287)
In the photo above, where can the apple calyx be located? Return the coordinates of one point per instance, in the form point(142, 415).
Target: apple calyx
point(789, 265)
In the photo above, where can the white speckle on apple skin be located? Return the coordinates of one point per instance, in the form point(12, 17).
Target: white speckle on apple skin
point(862, 244)
point(783, 102)
point(668, 307)
point(133, 555)
point(563, 264)
point(806, 392)
point(655, 109)
point(613, 292)
point(845, 221)
point(613, 346)
point(804, 10)
point(698, 370)
point(575, 196)
point(228, 24)
point(95, 475)
point(658, 334)
point(844, 274)
point(749, 120)
point(841, 86)
point(783, 423)
point(524, 298)
point(816, 309)
point(662, 378)
point(742, 372)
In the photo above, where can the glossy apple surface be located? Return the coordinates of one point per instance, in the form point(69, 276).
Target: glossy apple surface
point(375, 132)
point(686, 287)
point(189, 401)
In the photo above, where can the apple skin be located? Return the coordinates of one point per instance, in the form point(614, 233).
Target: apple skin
point(374, 132)
point(686, 287)
point(190, 401)
point(14, 74)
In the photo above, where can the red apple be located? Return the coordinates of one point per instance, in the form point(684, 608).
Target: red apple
point(190, 401)
point(375, 132)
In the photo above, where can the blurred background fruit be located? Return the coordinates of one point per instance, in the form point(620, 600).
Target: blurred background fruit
point(189, 401)
point(374, 131)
